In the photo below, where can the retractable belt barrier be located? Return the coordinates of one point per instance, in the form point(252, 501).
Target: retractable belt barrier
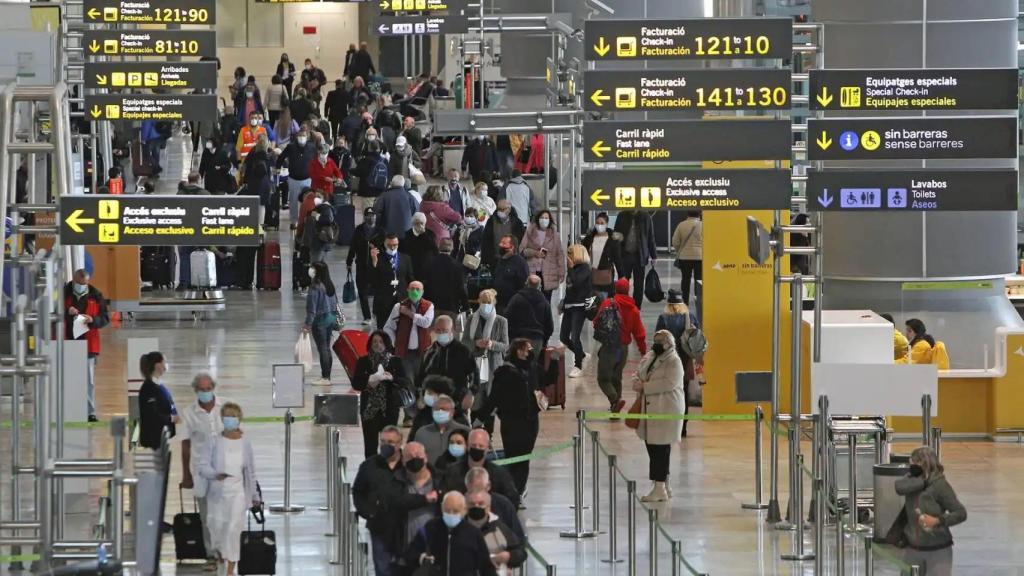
point(6, 424)
point(592, 416)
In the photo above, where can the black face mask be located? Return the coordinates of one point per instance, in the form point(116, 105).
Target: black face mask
point(414, 465)
point(476, 454)
point(476, 513)
point(658, 349)
point(916, 470)
point(387, 451)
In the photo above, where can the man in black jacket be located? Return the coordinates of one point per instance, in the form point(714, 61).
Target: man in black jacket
point(510, 273)
point(367, 235)
point(451, 544)
point(420, 244)
point(504, 223)
point(362, 64)
point(449, 357)
point(478, 479)
point(529, 314)
point(444, 282)
point(336, 107)
point(391, 277)
point(476, 457)
point(638, 249)
point(349, 55)
point(297, 155)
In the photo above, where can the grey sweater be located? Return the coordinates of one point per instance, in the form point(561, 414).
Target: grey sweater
point(934, 497)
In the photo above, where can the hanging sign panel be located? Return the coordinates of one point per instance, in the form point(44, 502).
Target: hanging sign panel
point(397, 7)
point(912, 138)
point(166, 75)
point(687, 140)
point(911, 190)
point(686, 189)
point(691, 39)
point(150, 11)
point(938, 89)
point(150, 43)
point(417, 25)
point(705, 89)
point(160, 107)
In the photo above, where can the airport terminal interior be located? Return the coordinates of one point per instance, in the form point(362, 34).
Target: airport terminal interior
point(510, 287)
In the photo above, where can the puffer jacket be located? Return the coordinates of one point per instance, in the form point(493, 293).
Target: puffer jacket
point(551, 266)
point(934, 497)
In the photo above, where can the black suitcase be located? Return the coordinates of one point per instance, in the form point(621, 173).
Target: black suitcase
point(345, 219)
point(300, 269)
point(258, 550)
point(157, 266)
point(188, 534)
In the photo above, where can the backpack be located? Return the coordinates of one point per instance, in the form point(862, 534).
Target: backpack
point(693, 342)
point(378, 179)
point(326, 227)
point(608, 325)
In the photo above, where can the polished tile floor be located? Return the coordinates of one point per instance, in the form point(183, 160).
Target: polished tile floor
point(712, 470)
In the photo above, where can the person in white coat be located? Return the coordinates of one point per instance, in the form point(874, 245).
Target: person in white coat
point(660, 378)
point(200, 426)
point(228, 467)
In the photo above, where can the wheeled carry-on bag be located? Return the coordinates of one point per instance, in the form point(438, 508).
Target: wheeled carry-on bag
point(554, 375)
point(188, 533)
point(258, 550)
point(203, 268)
point(349, 347)
point(268, 266)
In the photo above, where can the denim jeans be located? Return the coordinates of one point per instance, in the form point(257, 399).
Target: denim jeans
point(381, 557)
point(322, 338)
point(294, 188)
point(572, 325)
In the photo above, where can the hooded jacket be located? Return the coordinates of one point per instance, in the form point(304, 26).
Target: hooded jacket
point(519, 195)
point(632, 328)
point(529, 316)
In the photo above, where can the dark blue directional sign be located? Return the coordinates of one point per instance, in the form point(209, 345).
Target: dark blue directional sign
point(911, 190)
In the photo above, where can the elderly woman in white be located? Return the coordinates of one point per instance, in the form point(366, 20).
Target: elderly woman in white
point(228, 467)
point(660, 380)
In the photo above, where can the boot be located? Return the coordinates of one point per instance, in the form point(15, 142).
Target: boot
point(657, 493)
point(668, 487)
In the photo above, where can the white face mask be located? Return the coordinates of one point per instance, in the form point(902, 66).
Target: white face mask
point(544, 223)
point(323, 158)
point(249, 94)
point(312, 272)
point(254, 122)
point(470, 221)
point(318, 201)
point(302, 140)
point(209, 146)
point(371, 137)
point(601, 228)
point(392, 252)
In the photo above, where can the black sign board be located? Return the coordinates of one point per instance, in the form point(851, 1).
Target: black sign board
point(168, 75)
point(150, 11)
point(952, 89)
point(142, 220)
point(912, 138)
point(416, 25)
point(150, 43)
point(160, 107)
point(706, 89)
point(686, 189)
point(911, 190)
point(687, 140)
point(398, 7)
point(692, 39)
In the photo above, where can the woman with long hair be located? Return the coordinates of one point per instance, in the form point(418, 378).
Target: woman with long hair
point(285, 127)
point(378, 377)
point(286, 71)
point(321, 316)
point(930, 509)
point(543, 251)
point(921, 342)
point(578, 288)
point(605, 248)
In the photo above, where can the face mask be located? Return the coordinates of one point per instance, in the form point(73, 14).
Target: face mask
point(429, 399)
point(454, 182)
point(302, 140)
point(312, 272)
point(370, 222)
point(309, 66)
point(601, 228)
point(205, 397)
point(318, 201)
point(418, 228)
point(658, 349)
point(451, 520)
point(249, 94)
point(505, 249)
point(916, 470)
point(441, 417)
point(323, 158)
point(444, 338)
point(487, 309)
point(231, 423)
point(457, 450)
point(414, 465)
point(371, 137)
point(476, 454)
point(502, 215)
point(415, 295)
point(80, 289)
point(544, 223)
point(392, 251)
point(209, 146)
point(470, 221)
point(254, 122)
point(386, 451)
point(476, 514)
point(167, 367)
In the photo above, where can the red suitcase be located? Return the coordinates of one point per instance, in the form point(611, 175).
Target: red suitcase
point(268, 267)
point(553, 364)
point(350, 347)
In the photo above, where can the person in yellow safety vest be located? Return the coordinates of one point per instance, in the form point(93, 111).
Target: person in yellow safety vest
point(249, 135)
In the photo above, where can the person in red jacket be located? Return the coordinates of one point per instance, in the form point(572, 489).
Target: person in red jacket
point(85, 307)
point(324, 174)
point(611, 357)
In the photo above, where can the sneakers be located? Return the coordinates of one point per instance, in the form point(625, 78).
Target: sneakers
point(657, 493)
point(367, 322)
point(322, 382)
point(575, 372)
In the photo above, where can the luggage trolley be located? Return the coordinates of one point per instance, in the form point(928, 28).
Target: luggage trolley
point(851, 460)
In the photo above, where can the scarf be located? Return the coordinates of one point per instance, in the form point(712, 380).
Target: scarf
point(487, 326)
point(377, 398)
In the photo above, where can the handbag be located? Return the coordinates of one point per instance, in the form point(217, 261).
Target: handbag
point(304, 351)
point(601, 277)
point(471, 261)
point(348, 292)
point(636, 408)
point(542, 400)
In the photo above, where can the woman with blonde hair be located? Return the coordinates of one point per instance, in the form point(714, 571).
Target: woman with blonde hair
point(659, 380)
point(930, 509)
point(487, 335)
point(578, 288)
point(479, 199)
point(228, 466)
point(677, 319)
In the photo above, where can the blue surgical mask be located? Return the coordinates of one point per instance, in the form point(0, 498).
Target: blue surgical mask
point(444, 338)
point(80, 289)
point(442, 417)
point(392, 252)
point(457, 450)
point(429, 399)
point(231, 423)
point(205, 397)
point(451, 520)
point(487, 309)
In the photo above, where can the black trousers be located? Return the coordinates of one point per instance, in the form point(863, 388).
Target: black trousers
point(636, 271)
point(382, 306)
point(372, 428)
point(692, 270)
point(363, 289)
point(569, 334)
point(518, 436)
point(659, 455)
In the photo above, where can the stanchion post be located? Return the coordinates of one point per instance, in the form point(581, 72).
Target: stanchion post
point(796, 294)
point(652, 521)
point(577, 480)
point(287, 507)
point(869, 559)
point(675, 558)
point(915, 570)
point(631, 526)
point(758, 504)
point(937, 442)
point(799, 553)
point(854, 509)
point(331, 457)
point(812, 510)
point(926, 420)
point(774, 514)
point(338, 521)
point(595, 481)
point(840, 542)
point(613, 512)
point(819, 526)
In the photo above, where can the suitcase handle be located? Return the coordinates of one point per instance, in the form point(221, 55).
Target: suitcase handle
point(181, 500)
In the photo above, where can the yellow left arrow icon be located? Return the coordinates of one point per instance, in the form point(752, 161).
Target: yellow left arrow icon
point(601, 47)
point(94, 14)
point(599, 97)
point(75, 221)
point(599, 196)
point(96, 112)
point(101, 79)
point(599, 148)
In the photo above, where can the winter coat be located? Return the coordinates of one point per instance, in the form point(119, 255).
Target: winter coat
point(444, 283)
point(493, 231)
point(401, 160)
point(460, 551)
point(632, 327)
point(323, 175)
point(664, 393)
point(92, 304)
point(688, 239)
point(364, 168)
point(440, 217)
point(394, 210)
point(578, 287)
point(381, 496)
point(336, 105)
point(421, 250)
point(155, 411)
point(529, 316)
point(519, 195)
point(508, 277)
point(454, 361)
point(361, 383)
point(361, 65)
point(298, 158)
point(934, 497)
point(499, 341)
point(644, 235)
point(551, 266)
point(611, 256)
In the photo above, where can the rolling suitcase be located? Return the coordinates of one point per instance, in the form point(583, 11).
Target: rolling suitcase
point(258, 549)
point(188, 533)
point(140, 162)
point(300, 269)
point(157, 266)
point(349, 347)
point(345, 220)
point(203, 269)
point(268, 266)
point(553, 364)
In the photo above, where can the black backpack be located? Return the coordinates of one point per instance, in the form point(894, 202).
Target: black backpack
point(608, 325)
point(652, 287)
point(326, 227)
point(378, 179)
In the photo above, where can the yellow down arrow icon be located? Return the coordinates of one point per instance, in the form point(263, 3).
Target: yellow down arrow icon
point(598, 197)
point(599, 98)
point(824, 141)
point(599, 148)
point(824, 98)
point(601, 47)
point(75, 221)
point(96, 112)
point(94, 47)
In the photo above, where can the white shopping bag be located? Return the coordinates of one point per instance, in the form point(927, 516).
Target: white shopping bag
point(304, 351)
